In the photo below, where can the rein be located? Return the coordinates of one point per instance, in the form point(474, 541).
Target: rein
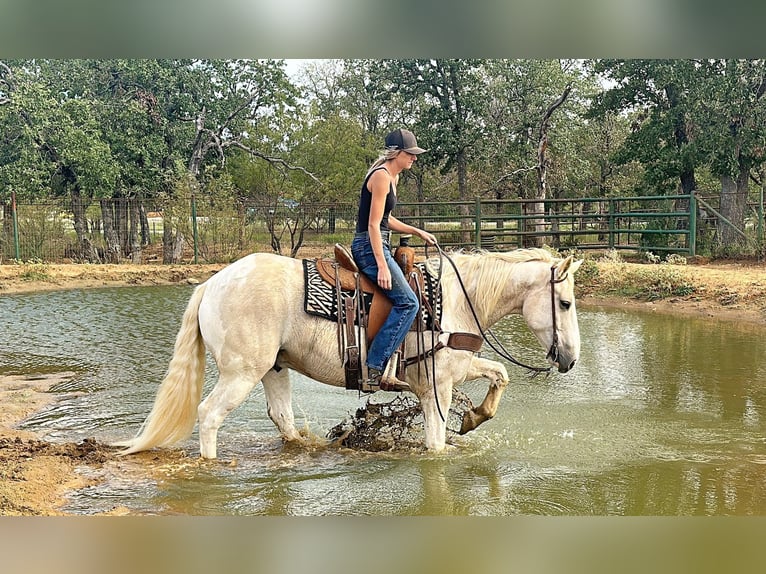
point(494, 344)
point(553, 352)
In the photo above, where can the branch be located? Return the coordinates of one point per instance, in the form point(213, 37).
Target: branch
point(552, 108)
point(515, 172)
point(270, 159)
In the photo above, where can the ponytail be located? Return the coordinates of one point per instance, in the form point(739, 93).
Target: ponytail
point(383, 158)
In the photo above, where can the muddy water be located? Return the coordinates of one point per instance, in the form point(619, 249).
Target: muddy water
point(662, 416)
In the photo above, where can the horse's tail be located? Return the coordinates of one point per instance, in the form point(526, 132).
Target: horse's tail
point(174, 412)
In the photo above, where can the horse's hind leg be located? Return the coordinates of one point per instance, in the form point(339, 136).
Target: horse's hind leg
point(276, 386)
point(231, 390)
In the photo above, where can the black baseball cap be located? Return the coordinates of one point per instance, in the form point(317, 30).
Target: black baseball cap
point(403, 140)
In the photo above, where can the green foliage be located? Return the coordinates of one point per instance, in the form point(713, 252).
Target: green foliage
point(654, 282)
point(588, 275)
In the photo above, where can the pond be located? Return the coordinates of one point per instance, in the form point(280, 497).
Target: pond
point(663, 415)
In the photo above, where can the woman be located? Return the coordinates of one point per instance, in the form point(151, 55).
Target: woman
point(371, 249)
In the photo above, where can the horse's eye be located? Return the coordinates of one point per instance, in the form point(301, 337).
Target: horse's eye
point(565, 304)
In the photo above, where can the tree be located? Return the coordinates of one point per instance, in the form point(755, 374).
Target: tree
point(688, 114)
point(53, 143)
point(530, 110)
point(133, 125)
point(659, 95)
point(731, 114)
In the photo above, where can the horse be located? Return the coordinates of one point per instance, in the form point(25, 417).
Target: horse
point(250, 318)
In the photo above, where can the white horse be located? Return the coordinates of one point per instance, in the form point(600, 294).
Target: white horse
point(250, 317)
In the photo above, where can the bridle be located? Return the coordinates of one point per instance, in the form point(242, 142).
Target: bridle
point(553, 352)
point(495, 343)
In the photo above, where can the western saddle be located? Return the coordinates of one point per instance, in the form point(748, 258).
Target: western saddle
point(350, 287)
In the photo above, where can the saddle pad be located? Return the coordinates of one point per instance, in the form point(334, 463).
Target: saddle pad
point(321, 300)
point(433, 294)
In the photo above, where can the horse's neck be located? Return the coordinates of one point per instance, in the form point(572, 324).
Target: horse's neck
point(493, 295)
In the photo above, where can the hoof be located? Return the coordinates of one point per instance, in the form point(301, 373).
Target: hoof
point(470, 422)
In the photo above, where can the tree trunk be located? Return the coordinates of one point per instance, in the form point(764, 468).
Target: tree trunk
point(87, 252)
point(538, 208)
point(734, 206)
point(135, 223)
point(113, 249)
point(688, 185)
point(146, 235)
point(121, 220)
point(172, 242)
point(462, 186)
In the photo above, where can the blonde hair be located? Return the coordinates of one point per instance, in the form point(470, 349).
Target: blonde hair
point(383, 158)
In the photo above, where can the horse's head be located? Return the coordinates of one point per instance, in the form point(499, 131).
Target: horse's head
point(549, 310)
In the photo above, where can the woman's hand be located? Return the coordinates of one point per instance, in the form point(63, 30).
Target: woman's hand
point(429, 238)
point(384, 277)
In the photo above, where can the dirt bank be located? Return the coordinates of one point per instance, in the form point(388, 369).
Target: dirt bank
point(723, 290)
point(35, 475)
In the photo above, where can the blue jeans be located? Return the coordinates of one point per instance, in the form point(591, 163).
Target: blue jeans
point(405, 302)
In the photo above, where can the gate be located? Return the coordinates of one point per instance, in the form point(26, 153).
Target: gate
point(664, 223)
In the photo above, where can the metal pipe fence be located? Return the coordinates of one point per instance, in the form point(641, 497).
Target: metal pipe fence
point(220, 231)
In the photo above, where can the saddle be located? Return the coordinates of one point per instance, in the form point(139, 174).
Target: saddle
point(342, 273)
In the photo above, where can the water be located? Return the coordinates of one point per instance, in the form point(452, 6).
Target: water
point(662, 416)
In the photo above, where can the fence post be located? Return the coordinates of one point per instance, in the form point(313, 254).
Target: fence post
point(611, 223)
point(692, 224)
point(477, 221)
point(15, 217)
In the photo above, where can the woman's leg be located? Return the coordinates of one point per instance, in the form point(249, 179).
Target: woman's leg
point(403, 298)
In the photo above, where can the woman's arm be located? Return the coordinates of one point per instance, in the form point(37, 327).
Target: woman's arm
point(378, 184)
point(401, 227)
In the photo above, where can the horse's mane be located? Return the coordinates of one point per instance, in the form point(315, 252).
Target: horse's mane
point(490, 278)
point(515, 256)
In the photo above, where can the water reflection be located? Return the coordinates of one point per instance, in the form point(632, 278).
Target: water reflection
point(662, 416)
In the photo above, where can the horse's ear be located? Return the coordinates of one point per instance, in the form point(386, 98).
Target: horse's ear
point(563, 266)
point(568, 265)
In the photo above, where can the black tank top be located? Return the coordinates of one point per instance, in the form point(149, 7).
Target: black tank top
point(365, 200)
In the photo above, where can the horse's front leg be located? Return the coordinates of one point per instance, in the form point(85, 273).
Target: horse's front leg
point(498, 379)
point(435, 415)
point(435, 410)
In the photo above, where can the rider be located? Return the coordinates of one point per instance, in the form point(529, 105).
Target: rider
point(371, 249)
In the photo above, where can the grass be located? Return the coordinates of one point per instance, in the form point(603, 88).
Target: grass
point(611, 276)
point(35, 270)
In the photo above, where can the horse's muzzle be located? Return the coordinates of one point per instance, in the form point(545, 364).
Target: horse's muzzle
point(563, 364)
point(564, 367)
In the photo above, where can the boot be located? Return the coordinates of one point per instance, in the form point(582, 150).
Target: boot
point(389, 380)
point(383, 381)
